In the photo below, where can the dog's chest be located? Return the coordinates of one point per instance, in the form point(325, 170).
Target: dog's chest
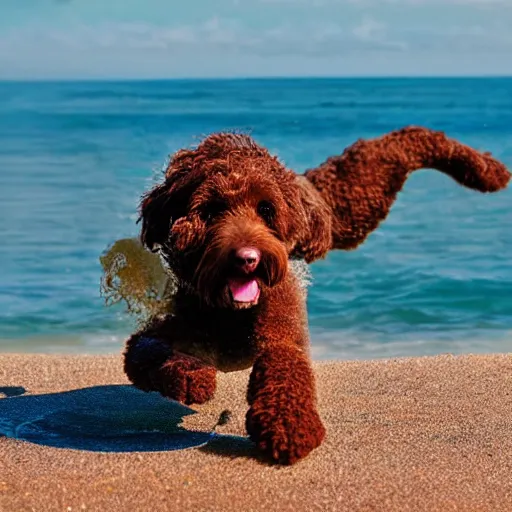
point(227, 344)
point(229, 340)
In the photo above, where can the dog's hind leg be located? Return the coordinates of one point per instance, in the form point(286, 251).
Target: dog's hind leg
point(361, 185)
point(151, 363)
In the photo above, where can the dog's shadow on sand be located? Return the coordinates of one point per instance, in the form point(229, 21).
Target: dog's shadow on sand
point(112, 418)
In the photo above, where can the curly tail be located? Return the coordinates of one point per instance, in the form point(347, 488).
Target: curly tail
point(361, 185)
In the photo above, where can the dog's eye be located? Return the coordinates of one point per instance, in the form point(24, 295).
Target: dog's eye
point(266, 211)
point(213, 210)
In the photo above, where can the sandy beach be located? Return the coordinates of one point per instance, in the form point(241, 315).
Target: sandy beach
point(403, 434)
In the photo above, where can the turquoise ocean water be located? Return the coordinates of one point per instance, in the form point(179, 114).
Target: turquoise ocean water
point(75, 157)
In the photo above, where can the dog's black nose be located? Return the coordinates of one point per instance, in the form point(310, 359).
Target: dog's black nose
point(247, 259)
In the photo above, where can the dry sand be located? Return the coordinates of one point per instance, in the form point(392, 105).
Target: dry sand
point(404, 434)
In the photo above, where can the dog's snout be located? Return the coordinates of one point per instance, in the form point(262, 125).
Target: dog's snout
point(247, 258)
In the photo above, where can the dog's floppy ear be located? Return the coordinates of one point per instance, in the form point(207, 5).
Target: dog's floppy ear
point(314, 234)
point(361, 185)
point(156, 213)
point(167, 203)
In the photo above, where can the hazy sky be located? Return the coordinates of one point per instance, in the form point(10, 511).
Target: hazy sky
point(206, 38)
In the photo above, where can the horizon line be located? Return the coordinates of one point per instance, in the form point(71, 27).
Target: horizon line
point(252, 78)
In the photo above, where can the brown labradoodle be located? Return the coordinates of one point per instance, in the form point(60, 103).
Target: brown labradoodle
point(229, 220)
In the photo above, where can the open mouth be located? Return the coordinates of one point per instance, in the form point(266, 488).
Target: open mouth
point(245, 292)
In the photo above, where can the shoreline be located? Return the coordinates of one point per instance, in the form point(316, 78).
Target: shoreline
point(324, 346)
point(424, 433)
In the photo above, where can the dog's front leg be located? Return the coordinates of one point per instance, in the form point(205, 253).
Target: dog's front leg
point(152, 363)
point(282, 419)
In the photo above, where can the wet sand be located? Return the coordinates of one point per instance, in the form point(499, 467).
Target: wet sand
point(403, 434)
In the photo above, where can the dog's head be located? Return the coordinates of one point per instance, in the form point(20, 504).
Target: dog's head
point(229, 216)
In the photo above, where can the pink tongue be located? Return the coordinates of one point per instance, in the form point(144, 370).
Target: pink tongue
point(244, 291)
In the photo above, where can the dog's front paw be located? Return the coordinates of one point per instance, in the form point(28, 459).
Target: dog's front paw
point(285, 435)
point(186, 379)
point(282, 419)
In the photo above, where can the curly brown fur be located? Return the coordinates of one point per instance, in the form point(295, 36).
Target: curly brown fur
point(154, 366)
point(362, 184)
point(228, 218)
point(283, 420)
